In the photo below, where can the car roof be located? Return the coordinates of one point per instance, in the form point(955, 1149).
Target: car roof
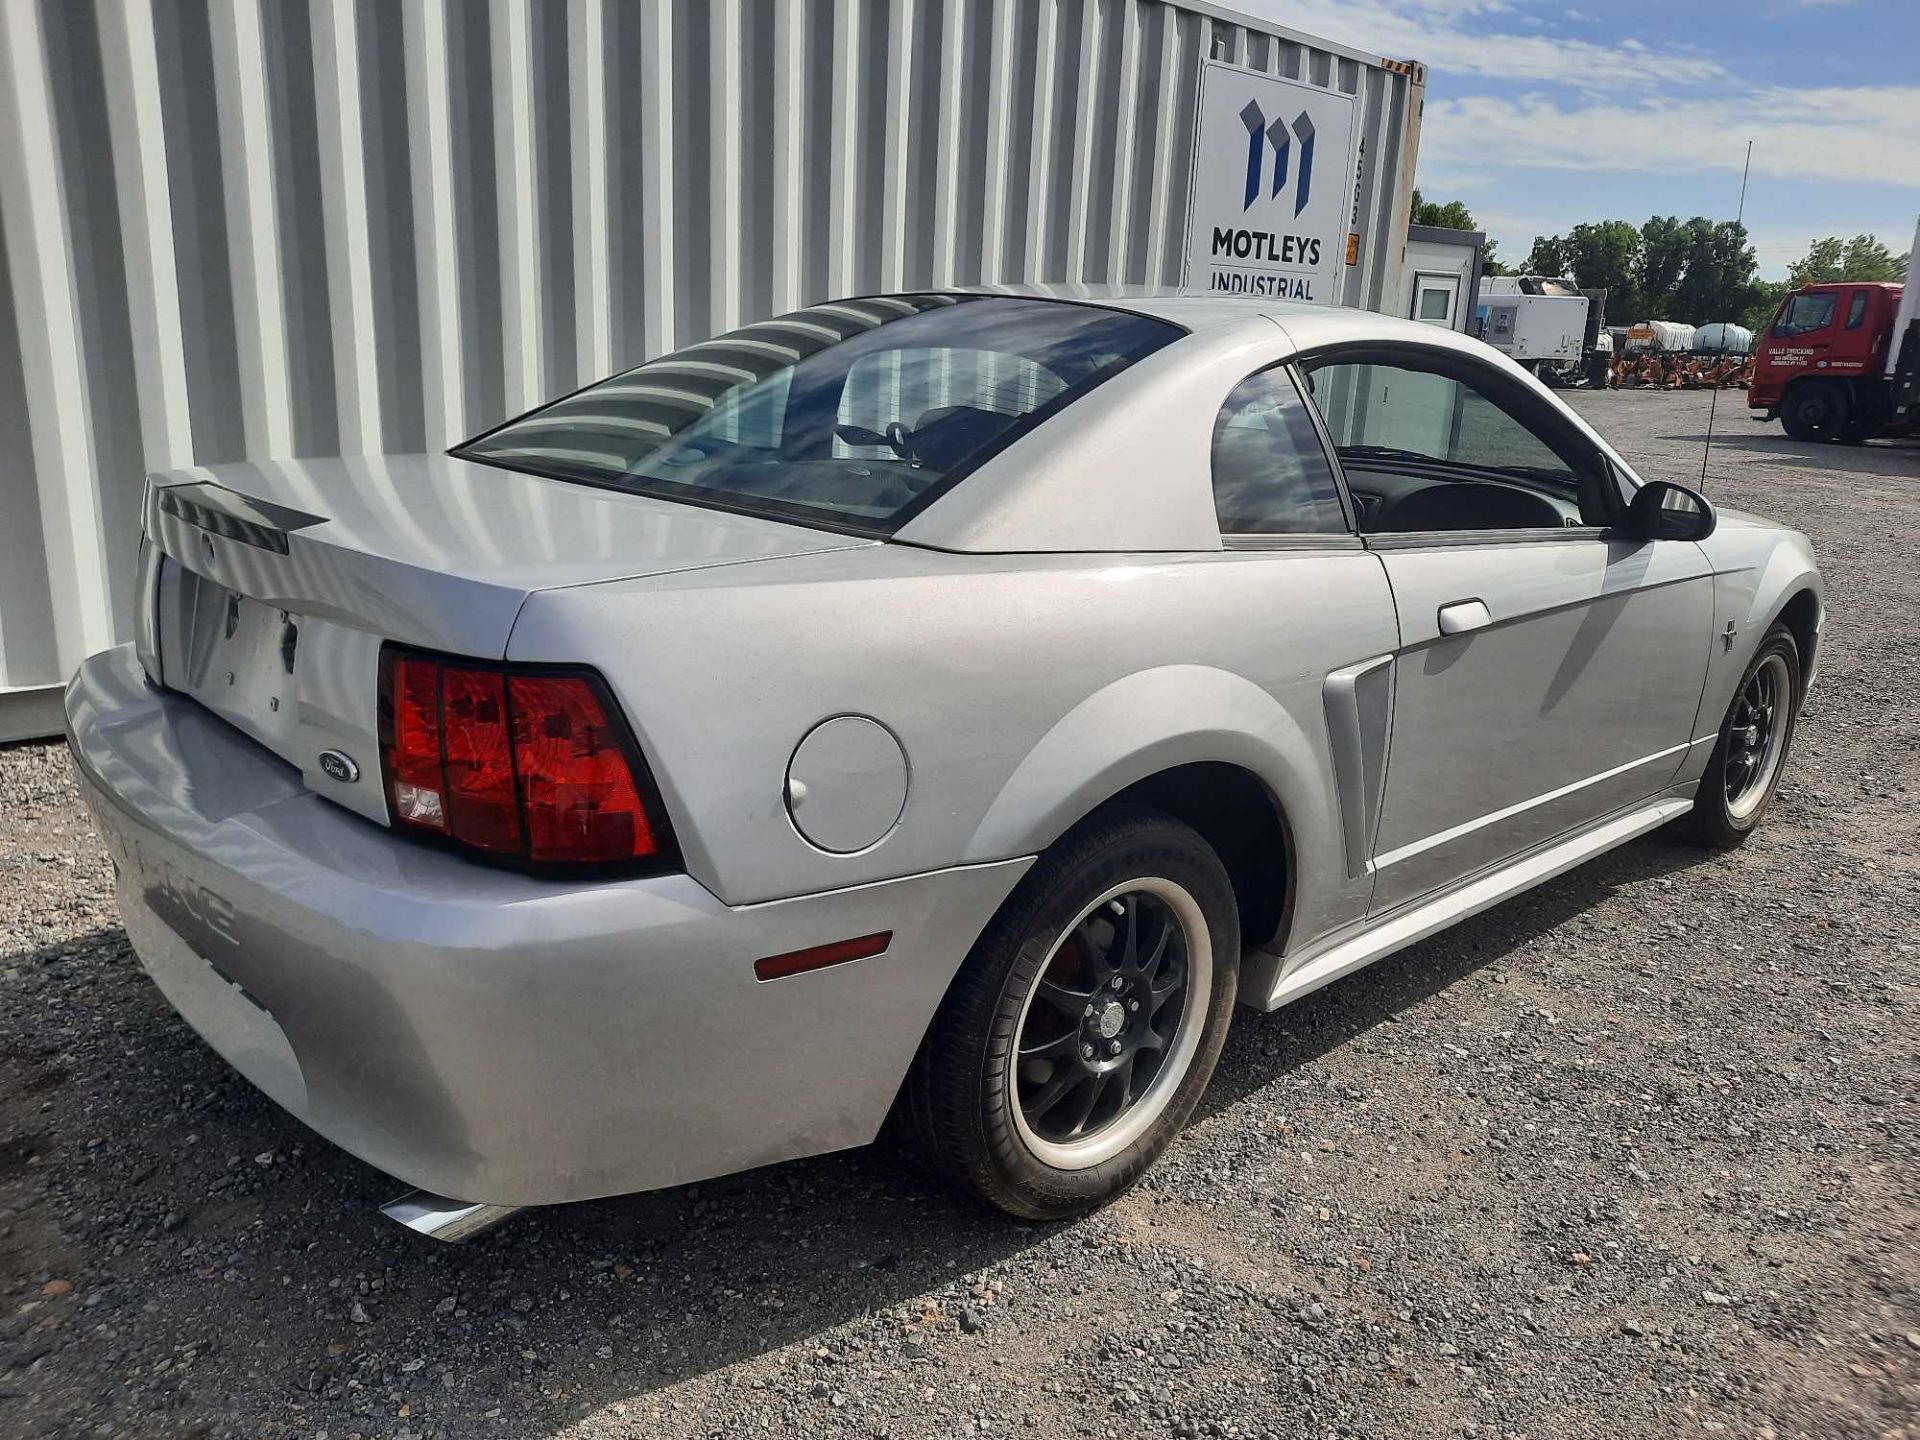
point(1054, 489)
point(1307, 323)
point(1194, 310)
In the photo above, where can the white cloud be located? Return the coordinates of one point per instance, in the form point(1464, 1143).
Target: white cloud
point(1556, 109)
point(1868, 135)
point(1437, 32)
point(1620, 105)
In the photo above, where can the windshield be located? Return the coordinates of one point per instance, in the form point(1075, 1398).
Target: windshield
point(854, 415)
point(1805, 313)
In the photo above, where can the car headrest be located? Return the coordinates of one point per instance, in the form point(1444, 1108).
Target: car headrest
point(943, 437)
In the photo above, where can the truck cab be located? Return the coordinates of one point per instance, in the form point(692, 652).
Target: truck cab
point(1824, 365)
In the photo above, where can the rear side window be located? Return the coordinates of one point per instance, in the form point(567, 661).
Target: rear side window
point(1804, 314)
point(1270, 472)
point(852, 416)
point(1857, 309)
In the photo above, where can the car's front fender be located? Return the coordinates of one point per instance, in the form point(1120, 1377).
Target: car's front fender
point(1759, 570)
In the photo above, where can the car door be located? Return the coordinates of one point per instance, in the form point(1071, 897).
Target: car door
point(1549, 668)
point(1315, 627)
point(1806, 324)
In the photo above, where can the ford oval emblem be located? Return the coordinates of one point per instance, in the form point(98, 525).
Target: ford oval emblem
point(339, 765)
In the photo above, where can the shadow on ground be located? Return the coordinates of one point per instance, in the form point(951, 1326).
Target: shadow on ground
point(1874, 457)
point(676, 1283)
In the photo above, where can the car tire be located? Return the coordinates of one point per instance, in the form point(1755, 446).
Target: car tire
point(1019, 1048)
point(1744, 771)
point(1816, 411)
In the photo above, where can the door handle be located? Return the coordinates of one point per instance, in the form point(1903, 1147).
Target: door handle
point(1461, 616)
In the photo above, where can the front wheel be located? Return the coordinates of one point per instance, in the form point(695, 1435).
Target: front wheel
point(1815, 411)
point(1744, 771)
point(1085, 1024)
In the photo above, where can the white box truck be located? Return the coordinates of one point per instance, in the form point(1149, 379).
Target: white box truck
point(1545, 324)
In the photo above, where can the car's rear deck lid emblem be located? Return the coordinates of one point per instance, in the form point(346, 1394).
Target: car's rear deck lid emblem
point(340, 766)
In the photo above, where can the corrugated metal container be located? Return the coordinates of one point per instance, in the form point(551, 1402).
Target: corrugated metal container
point(289, 227)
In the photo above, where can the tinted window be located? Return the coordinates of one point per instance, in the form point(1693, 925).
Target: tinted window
point(1857, 309)
point(1270, 472)
point(1805, 313)
point(852, 415)
point(886, 387)
point(1426, 451)
point(1414, 414)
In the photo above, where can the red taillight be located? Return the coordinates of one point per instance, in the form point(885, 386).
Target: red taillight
point(582, 802)
point(482, 808)
point(531, 764)
point(415, 777)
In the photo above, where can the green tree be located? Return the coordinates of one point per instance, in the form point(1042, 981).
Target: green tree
point(1831, 259)
point(1693, 270)
point(1665, 244)
point(1717, 279)
point(1767, 295)
point(1547, 257)
point(1822, 264)
point(1868, 259)
point(1453, 215)
point(1605, 255)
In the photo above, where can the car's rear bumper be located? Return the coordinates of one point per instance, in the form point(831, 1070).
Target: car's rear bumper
point(485, 1034)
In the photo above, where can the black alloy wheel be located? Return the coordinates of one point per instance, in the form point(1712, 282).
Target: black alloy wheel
point(1743, 773)
point(1083, 1026)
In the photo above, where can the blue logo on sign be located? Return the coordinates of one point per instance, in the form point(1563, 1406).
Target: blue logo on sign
point(1261, 134)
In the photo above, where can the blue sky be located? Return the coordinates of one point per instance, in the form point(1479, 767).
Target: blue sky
point(1540, 115)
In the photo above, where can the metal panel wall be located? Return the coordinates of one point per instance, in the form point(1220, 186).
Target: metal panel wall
point(288, 227)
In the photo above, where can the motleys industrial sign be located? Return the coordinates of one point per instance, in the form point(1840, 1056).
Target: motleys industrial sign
point(1273, 174)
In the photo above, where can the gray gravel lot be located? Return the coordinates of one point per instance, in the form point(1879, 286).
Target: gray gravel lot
point(1632, 1155)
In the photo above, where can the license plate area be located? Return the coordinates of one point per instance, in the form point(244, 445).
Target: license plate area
point(242, 659)
point(300, 684)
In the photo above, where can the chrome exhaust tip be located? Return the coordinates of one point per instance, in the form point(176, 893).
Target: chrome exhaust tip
point(439, 1218)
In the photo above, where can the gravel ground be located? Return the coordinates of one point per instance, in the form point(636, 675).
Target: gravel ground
point(1631, 1155)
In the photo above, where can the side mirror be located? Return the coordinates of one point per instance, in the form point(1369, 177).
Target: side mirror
point(1662, 510)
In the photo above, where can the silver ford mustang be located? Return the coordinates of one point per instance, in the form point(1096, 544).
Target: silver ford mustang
point(938, 705)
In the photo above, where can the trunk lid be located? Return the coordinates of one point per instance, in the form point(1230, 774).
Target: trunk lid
point(433, 550)
point(273, 584)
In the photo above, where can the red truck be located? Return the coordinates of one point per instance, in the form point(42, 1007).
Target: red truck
point(1842, 361)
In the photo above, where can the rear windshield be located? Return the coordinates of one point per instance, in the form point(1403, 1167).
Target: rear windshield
point(853, 416)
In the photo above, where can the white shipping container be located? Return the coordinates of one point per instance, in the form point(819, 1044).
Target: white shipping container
point(1909, 304)
point(271, 228)
point(1534, 329)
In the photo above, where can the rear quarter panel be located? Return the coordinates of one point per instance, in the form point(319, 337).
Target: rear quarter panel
point(1024, 689)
